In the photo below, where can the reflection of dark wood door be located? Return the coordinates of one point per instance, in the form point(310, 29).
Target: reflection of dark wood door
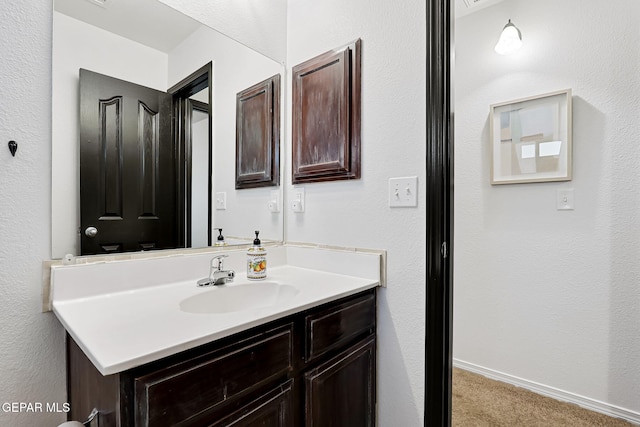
point(127, 168)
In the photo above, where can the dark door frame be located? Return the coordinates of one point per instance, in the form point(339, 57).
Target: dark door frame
point(190, 85)
point(439, 201)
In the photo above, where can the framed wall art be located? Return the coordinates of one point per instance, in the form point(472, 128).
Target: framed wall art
point(531, 139)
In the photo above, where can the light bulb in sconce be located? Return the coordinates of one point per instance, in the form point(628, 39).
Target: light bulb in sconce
point(510, 40)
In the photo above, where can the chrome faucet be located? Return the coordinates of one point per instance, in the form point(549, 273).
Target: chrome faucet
point(217, 276)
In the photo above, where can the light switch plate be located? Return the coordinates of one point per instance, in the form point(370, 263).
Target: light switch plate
point(565, 200)
point(221, 200)
point(274, 201)
point(297, 201)
point(403, 192)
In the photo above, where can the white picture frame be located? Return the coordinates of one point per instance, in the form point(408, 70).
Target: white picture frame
point(531, 139)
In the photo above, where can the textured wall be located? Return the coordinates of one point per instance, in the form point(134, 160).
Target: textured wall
point(31, 343)
point(356, 213)
point(235, 68)
point(258, 24)
point(544, 295)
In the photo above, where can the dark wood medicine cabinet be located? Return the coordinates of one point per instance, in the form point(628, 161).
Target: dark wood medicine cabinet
point(326, 116)
point(258, 135)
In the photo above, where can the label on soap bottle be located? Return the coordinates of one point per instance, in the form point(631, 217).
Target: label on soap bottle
point(257, 264)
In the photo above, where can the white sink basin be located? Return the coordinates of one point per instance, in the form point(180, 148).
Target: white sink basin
point(239, 297)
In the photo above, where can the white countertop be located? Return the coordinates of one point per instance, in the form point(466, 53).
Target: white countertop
point(127, 328)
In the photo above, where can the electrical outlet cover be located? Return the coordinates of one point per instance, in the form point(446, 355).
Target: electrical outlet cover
point(221, 200)
point(297, 201)
point(274, 201)
point(565, 200)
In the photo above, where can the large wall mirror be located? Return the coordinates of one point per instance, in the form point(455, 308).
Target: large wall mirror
point(149, 44)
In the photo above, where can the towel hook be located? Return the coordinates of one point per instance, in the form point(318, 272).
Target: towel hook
point(13, 147)
point(93, 415)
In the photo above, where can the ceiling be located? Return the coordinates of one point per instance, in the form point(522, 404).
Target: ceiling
point(148, 22)
point(466, 7)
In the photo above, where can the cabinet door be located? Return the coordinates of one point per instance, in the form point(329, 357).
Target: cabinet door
point(341, 392)
point(273, 409)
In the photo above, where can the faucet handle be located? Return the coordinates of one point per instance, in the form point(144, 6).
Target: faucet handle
point(220, 259)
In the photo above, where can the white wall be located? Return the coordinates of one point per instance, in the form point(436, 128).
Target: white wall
point(235, 68)
point(259, 24)
point(549, 296)
point(78, 45)
point(200, 179)
point(356, 213)
point(31, 343)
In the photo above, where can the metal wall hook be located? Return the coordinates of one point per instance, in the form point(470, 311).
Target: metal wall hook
point(13, 147)
point(94, 415)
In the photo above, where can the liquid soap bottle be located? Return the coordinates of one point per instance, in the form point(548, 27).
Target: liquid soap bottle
point(256, 260)
point(220, 240)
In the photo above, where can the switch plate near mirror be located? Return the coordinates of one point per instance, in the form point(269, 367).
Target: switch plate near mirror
point(274, 201)
point(297, 201)
point(221, 200)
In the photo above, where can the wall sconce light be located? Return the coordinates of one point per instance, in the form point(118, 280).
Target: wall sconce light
point(510, 40)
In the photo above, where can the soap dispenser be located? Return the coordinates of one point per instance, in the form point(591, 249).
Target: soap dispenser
point(256, 260)
point(220, 240)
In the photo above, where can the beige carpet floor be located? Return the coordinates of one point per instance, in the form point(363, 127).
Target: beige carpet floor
point(479, 402)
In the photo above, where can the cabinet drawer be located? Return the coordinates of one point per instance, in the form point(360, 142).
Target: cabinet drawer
point(272, 409)
point(173, 395)
point(340, 324)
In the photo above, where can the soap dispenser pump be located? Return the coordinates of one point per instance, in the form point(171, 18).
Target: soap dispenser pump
point(256, 260)
point(220, 240)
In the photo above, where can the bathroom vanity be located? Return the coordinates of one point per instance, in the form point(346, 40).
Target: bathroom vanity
point(312, 368)
point(302, 353)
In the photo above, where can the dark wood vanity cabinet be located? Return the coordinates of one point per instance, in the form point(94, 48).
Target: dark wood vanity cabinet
point(314, 368)
point(341, 391)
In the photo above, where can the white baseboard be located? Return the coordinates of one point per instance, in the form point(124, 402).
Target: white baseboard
point(585, 402)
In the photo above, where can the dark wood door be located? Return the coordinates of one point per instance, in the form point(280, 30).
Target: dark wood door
point(127, 168)
point(341, 392)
